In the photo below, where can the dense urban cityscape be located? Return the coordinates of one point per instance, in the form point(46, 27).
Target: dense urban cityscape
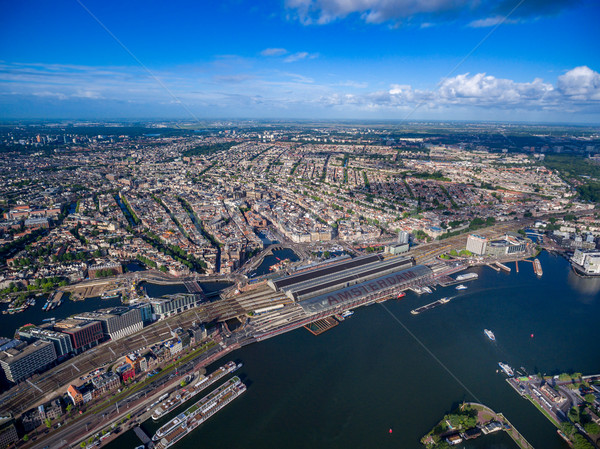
point(105, 209)
point(300, 224)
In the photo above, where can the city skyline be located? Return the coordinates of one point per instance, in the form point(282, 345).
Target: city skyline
point(319, 59)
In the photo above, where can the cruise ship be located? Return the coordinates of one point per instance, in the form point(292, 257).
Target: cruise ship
point(461, 287)
point(186, 394)
point(489, 334)
point(507, 369)
point(190, 419)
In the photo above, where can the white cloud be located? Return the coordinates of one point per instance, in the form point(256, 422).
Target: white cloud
point(479, 13)
point(580, 83)
point(273, 52)
point(490, 22)
point(299, 56)
point(371, 11)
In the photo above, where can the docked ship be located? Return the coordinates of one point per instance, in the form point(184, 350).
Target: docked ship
point(186, 394)
point(461, 287)
point(401, 295)
point(347, 313)
point(489, 334)
point(507, 369)
point(466, 277)
point(191, 418)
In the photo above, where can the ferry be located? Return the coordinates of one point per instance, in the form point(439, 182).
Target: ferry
point(191, 418)
point(188, 393)
point(347, 313)
point(461, 287)
point(489, 334)
point(507, 369)
point(466, 276)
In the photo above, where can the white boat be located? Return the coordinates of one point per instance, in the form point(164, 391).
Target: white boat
point(507, 369)
point(461, 287)
point(347, 313)
point(489, 334)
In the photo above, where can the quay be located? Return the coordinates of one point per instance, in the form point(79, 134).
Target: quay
point(431, 305)
point(320, 326)
point(143, 437)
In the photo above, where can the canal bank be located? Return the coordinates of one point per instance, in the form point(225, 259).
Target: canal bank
point(349, 386)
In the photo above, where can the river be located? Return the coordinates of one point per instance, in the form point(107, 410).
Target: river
point(384, 368)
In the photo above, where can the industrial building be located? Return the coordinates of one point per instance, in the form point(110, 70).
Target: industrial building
point(19, 363)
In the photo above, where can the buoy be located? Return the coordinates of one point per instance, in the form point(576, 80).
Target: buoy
point(390, 430)
point(531, 335)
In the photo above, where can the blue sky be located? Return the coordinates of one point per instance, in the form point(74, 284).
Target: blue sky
point(523, 60)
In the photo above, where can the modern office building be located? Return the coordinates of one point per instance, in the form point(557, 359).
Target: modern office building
point(61, 341)
point(84, 334)
point(586, 262)
point(117, 322)
point(173, 304)
point(19, 363)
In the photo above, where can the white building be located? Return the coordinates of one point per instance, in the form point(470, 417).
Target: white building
point(587, 261)
point(476, 244)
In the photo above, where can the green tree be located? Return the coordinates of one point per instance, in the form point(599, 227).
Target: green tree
point(589, 398)
point(25, 437)
point(69, 408)
point(48, 422)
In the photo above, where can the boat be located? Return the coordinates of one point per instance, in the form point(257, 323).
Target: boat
point(401, 295)
point(444, 300)
point(193, 416)
point(466, 276)
point(347, 313)
point(45, 320)
point(507, 369)
point(489, 334)
point(188, 393)
point(461, 287)
point(427, 290)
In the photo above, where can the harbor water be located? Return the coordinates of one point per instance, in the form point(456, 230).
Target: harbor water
point(384, 368)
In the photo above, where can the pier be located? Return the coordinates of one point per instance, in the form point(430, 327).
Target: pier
point(493, 267)
point(431, 305)
point(143, 437)
point(503, 267)
point(320, 326)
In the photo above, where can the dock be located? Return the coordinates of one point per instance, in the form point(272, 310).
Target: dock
point(431, 305)
point(503, 267)
point(143, 437)
point(320, 326)
point(493, 267)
